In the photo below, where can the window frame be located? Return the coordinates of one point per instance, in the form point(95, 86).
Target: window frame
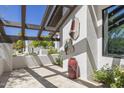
point(105, 43)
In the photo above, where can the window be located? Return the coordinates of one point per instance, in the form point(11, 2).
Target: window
point(113, 31)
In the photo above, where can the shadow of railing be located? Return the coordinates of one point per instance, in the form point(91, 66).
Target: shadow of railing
point(39, 78)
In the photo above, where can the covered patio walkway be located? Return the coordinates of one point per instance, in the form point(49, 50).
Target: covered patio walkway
point(47, 76)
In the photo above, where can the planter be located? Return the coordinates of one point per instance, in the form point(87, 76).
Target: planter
point(53, 57)
point(31, 61)
point(43, 52)
point(56, 59)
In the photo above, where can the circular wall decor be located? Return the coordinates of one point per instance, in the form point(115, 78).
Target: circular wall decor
point(75, 29)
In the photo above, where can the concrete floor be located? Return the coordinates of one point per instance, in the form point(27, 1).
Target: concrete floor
point(48, 76)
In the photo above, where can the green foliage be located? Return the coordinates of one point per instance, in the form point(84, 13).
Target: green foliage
point(47, 44)
point(110, 77)
point(52, 50)
point(35, 43)
point(59, 61)
point(118, 77)
point(50, 44)
point(104, 76)
point(19, 45)
point(46, 37)
point(44, 44)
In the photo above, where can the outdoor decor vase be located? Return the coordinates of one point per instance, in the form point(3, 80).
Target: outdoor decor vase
point(73, 70)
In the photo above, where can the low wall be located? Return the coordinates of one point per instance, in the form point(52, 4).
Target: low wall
point(1, 67)
point(6, 56)
point(32, 61)
point(80, 45)
point(53, 57)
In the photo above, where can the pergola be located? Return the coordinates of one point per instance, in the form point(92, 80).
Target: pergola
point(53, 19)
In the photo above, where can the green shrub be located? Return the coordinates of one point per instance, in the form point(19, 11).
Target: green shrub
point(118, 77)
point(52, 51)
point(59, 61)
point(110, 77)
point(104, 76)
point(44, 44)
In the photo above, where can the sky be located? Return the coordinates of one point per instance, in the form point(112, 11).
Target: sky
point(112, 8)
point(34, 14)
point(121, 12)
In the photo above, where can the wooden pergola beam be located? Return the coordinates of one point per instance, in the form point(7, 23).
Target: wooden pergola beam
point(55, 16)
point(19, 25)
point(23, 12)
point(68, 6)
point(2, 32)
point(3, 37)
point(63, 19)
point(44, 20)
point(14, 38)
point(27, 26)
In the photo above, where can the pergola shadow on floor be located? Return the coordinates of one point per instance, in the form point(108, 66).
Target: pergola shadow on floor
point(43, 77)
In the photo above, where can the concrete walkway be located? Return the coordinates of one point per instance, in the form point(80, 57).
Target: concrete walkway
point(42, 77)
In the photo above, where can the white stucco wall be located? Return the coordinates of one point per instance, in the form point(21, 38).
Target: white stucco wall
point(80, 57)
point(92, 55)
point(1, 66)
point(90, 18)
point(86, 44)
point(102, 60)
point(6, 56)
point(33, 61)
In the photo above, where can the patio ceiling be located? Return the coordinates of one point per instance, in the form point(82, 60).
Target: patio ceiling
point(32, 25)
